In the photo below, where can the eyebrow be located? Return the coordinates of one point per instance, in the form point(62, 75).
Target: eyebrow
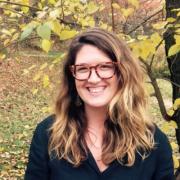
point(87, 64)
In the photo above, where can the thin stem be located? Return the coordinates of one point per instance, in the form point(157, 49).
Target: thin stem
point(16, 12)
point(144, 21)
point(112, 14)
point(18, 4)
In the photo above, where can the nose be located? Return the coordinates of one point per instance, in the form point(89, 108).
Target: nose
point(94, 78)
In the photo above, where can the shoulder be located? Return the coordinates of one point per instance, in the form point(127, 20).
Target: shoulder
point(162, 144)
point(159, 136)
point(47, 122)
point(42, 129)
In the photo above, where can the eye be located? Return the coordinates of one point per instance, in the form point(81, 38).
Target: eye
point(106, 67)
point(81, 69)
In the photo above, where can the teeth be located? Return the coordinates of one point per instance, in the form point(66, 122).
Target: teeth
point(96, 90)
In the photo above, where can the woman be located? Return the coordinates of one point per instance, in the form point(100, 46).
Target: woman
point(100, 129)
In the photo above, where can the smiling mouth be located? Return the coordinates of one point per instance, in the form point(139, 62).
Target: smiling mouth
point(96, 90)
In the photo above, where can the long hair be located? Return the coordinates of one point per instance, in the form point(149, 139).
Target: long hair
point(127, 129)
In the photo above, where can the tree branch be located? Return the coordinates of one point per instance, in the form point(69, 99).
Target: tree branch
point(177, 85)
point(112, 14)
point(16, 12)
point(154, 52)
point(144, 21)
point(18, 4)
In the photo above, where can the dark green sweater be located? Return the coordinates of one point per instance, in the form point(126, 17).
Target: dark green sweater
point(157, 166)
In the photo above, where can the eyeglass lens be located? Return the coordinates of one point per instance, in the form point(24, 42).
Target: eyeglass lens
point(104, 70)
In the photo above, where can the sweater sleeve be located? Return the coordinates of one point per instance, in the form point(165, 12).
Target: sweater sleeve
point(165, 167)
point(37, 167)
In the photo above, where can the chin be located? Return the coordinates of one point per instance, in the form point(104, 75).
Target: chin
point(96, 105)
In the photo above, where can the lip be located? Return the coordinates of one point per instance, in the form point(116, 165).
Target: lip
point(96, 90)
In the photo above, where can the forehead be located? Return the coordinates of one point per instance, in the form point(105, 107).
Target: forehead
point(90, 54)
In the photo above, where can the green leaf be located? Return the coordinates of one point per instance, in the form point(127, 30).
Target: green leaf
point(27, 31)
point(174, 49)
point(67, 34)
point(44, 31)
point(46, 45)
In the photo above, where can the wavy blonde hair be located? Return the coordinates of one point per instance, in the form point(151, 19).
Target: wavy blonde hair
point(127, 130)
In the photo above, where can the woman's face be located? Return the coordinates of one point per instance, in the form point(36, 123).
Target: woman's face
point(95, 91)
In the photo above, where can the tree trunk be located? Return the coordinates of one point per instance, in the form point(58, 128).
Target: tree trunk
point(173, 64)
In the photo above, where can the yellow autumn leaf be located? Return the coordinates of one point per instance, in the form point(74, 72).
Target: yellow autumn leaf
point(25, 9)
point(37, 76)
point(2, 149)
point(46, 45)
point(55, 13)
point(174, 49)
point(51, 1)
point(135, 3)
point(171, 20)
point(103, 26)
point(174, 145)
point(5, 31)
point(142, 37)
point(46, 81)
point(2, 56)
point(15, 37)
point(47, 109)
point(116, 6)
point(51, 67)
point(166, 127)
point(127, 12)
point(159, 25)
point(43, 66)
point(177, 39)
point(178, 28)
point(173, 124)
point(178, 14)
point(156, 38)
point(176, 162)
point(176, 104)
point(91, 23)
point(34, 91)
point(56, 27)
point(92, 8)
point(67, 34)
point(170, 112)
point(25, 72)
point(32, 67)
point(6, 42)
point(40, 6)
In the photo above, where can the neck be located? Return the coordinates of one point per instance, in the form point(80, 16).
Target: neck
point(95, 117)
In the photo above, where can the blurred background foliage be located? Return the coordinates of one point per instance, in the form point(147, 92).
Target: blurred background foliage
point(34, 36)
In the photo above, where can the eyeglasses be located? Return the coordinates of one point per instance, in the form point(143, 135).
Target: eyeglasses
point(104, 70)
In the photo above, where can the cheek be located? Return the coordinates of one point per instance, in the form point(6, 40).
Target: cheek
point(78, 85)
point(115, 84)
